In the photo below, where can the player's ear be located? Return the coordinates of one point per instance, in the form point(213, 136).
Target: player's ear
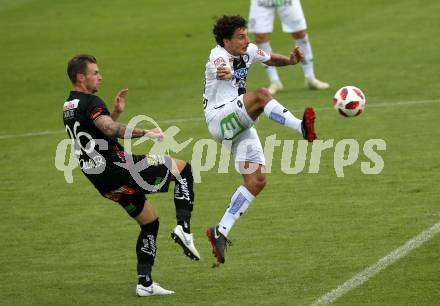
point(80, 77)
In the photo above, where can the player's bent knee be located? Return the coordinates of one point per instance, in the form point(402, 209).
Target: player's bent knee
point(260, 182)
point(299, 35)
point(261, 38)
point(256, 184)
point(178, 166)
point(147, 215)
point(263, 95)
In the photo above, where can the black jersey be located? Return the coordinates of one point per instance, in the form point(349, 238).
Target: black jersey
point(96, 152)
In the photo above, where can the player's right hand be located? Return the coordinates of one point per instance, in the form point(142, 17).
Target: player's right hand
point(224, 73)
point(155, 134)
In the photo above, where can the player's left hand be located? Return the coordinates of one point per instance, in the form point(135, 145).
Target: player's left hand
point(120, 100)
point(296, 56)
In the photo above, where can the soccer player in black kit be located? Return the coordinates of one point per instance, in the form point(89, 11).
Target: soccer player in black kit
point(94, 132)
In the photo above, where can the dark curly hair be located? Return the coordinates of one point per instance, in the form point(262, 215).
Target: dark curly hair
point(226, 26)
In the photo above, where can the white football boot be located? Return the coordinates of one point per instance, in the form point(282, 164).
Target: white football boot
point(154, 289)
point(186, 241)
point(275, 86)
point(316, 84)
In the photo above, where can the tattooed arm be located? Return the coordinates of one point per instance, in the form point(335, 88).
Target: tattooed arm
point(112, 128)
point(281, 60)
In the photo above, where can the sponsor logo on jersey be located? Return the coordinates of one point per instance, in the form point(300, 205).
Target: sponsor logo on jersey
point(219, 62)
point(69, 108)
point(261, 53)
point(240, 73)
point(72, 104)
point(231, 126)
point(93, 163)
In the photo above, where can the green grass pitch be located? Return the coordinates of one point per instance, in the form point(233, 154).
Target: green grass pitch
point(63, 244)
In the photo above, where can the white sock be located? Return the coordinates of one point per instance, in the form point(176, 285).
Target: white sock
point(278, 113)
point(239, 204)
point(307, 63)
point(270, 70)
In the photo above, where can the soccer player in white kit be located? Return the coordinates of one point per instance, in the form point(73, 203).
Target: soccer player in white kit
point(231, 112)
point(261, 19)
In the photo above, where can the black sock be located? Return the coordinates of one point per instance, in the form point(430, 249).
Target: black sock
point(146, 252)
point(184, 198)
point(144, 275)
point(183, 220)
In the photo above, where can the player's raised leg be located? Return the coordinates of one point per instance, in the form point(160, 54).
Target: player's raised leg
point(184, 202)
point(261, 100)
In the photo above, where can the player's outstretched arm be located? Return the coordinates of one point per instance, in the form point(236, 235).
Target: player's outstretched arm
point(112, 128)
point(295, 57)
point(119, 104)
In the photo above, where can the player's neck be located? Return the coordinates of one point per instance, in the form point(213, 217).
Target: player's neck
point(81, 88)
point(231, 53)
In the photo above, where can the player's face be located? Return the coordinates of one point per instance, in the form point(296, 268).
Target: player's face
point(92, 78)
point(238, 43)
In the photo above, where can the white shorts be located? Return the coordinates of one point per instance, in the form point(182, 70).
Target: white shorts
point(232, 122)
point(262, 15)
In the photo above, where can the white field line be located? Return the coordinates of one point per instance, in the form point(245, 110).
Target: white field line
point(389, 104)
point(32, 134)
point(196, 119)
point(381, 264)
point(42, 133)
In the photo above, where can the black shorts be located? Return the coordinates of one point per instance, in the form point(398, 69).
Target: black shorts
point(132, 187)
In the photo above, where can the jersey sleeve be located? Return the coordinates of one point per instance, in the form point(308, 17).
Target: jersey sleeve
point(216, 59)
point(219, 60)
point(96, 108)
point(257, 55)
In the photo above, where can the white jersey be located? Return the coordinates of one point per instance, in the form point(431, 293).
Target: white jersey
point(220, 92)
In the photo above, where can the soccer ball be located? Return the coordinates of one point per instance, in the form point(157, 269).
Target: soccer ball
point(349, 101)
